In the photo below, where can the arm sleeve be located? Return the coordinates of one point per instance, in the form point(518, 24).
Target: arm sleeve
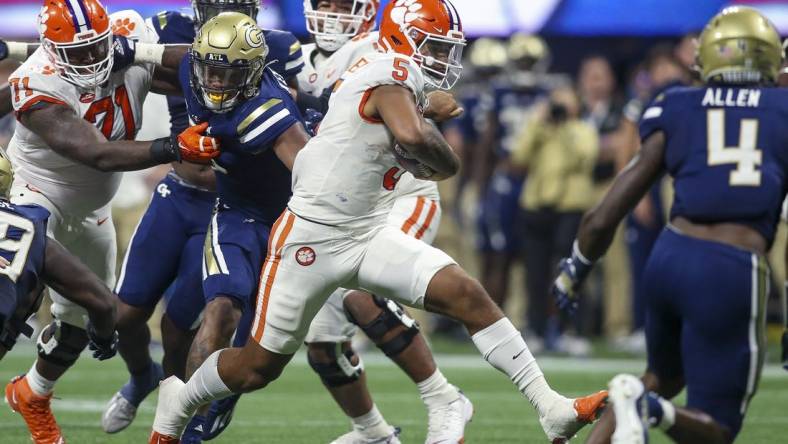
point(653, 118)
point(263, 121)
point(172, 27)
point(284, 54)
point(295, 58)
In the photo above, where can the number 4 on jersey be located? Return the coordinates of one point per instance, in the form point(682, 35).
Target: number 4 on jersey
point(746, 156)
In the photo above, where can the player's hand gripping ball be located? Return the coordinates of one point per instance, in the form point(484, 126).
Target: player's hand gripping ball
point(197, 147)
point(441, 106)
point(411, 164)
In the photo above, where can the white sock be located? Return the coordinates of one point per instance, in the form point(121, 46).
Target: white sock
point(371, 425)
point(436, 390)
point(204, 386)
point(505, 349)
point(39, 384)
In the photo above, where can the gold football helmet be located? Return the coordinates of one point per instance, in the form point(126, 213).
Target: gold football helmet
point(227, 61)
point(6, 175)
point(529, 52)
point(488, 54)
point(739, 45)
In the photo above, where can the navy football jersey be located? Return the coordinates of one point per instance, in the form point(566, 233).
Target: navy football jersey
point(249, 175)
point(284, 55)
point(727, 150)
point(474, 120)
point(23, 234)
point(511, 106)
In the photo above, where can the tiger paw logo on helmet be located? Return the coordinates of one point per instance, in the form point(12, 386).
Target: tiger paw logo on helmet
point(405, 11)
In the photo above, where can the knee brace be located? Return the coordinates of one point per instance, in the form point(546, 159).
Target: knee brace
point(61, 343)
point(392, 316)
point(340, 371)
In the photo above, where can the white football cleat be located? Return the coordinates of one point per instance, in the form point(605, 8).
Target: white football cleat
point(567, 416)
point(447, 422)
point(626, 392)
point(355, 437)
point(118, 414)
point(170, 419)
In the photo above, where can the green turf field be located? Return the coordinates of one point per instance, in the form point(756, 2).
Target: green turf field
point(296, 409)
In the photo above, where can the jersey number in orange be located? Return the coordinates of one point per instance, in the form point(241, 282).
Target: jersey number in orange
point(400, 73)
point(106, 107)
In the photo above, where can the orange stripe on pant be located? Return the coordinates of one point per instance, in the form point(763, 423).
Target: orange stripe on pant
point(267, 282)
point(428, 221)
point(415, 216)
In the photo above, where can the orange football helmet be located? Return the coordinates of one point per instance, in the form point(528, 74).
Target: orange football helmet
point(77, 37)
point(428, 31)
point(332, 27)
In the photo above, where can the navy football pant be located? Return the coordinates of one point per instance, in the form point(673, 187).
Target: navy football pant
point(235, 249)
point(165, 252)
point(705, 321)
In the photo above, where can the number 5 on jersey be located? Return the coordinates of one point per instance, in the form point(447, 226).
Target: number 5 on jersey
point(400, 73)
point(746, 156)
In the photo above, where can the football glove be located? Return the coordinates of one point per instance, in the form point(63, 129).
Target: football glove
point(572, 271)
point(3, 50)
point(312, 119)
point(194, 146)
point(123, 52)
point(102, 348)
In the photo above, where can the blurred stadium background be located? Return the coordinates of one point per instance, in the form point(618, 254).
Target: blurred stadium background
point(609, 57)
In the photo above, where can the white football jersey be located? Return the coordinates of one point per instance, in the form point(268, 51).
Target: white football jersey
point(347, 174)
point(114, 108)
point(320, 73)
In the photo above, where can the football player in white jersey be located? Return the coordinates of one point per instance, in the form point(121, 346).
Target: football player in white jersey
point(343, 34)
point(334, 233)
point(77, 123)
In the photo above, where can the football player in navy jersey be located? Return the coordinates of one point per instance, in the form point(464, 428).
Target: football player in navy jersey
point(509, 104)
point(173, 231)
point(248, 106)
point(726, 147)
point(29, 260)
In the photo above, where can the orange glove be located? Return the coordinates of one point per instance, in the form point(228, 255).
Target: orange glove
point(196, 147)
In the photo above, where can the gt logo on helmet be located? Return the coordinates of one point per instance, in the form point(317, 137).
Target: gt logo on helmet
point(254, 37)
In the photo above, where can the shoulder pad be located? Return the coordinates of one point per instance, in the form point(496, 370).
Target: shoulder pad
point(129, 23)
point(37, 82)
point(173, 27)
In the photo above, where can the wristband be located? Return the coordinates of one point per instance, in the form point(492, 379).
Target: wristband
point(577, 254)
point(149, 53)
point(17, 51)
point(165, 150)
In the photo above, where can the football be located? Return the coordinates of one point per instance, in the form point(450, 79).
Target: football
point(411, 164)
